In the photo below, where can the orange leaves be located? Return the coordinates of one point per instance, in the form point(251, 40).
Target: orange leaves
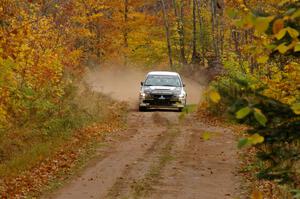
point(278, 25)
point(256, 195)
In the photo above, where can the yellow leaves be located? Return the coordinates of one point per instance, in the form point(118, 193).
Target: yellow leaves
point(292, 32)
point(214, 96)
point(282, 48)
point(206, 136)
point(296, 108)
point(297, 47)
point(35, 50)
point(280, 34)
point(262, 59)
point(256, 139)
point(296, 14)
point(283, 85)
point(3, 115)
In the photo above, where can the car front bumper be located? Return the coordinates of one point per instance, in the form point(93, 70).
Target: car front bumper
point(162, 102)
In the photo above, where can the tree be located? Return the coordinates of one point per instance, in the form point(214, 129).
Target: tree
point(179, 14)
point(167, 28)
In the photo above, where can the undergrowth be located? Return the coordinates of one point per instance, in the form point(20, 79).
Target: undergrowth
point(79, 118)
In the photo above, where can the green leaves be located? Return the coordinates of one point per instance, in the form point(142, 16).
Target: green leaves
point(260, 117)
point(242, 113)
point(262, 23)
point(296, 193)
point(242, 143)
point(232, 13)
point(252, 140)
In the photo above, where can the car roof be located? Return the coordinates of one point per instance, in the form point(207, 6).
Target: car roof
point(163, 73)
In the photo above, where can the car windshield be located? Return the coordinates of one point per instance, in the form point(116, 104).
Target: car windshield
point(163, 80)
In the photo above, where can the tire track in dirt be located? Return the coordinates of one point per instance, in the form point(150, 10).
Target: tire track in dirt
point(97, 179)
point(201, 169)
point(133, 182)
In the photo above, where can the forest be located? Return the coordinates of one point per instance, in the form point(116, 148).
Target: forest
point(246, 53)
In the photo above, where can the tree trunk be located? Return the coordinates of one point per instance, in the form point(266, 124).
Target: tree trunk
point(236, 39)
point(195, 53)
point(201, 33)
point(221, 28)
point(180, 29)
point(166, 22)
point(214, 25)
point(125, 31)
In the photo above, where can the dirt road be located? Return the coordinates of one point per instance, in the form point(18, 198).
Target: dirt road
point(159, 156)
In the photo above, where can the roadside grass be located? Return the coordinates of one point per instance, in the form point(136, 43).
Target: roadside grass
point(72, 125)
point(190, 108)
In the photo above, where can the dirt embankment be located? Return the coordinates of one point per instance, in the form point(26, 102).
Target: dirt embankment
point(160, 155)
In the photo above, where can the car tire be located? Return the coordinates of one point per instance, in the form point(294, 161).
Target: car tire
point(142, 109)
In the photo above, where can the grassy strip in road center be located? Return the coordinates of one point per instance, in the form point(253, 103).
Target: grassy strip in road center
point(144, 186)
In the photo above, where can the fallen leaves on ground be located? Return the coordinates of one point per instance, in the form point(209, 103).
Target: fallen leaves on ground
point(61, 163)
point(251, 186)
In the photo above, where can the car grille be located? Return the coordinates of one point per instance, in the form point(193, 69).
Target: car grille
point(161, 99)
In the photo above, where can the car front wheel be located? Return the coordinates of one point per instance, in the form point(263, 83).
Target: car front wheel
point(142, 108)
point(180, 109)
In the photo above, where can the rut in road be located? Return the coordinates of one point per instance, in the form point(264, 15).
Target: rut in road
point(159, 156)
point(183, 165)
point(138, 178)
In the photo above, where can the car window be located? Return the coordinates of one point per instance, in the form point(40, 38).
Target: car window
point(163, 80)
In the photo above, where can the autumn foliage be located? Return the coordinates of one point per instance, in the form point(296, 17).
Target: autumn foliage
point(261, 87)
point(46, 46)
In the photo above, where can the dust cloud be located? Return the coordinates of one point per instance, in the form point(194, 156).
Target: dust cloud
point(123, 84)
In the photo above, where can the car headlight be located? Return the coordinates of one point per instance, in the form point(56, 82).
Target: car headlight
point(142, 95)
point(182, 95)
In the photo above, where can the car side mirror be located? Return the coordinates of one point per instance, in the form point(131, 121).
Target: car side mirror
point(142, 83)
point(183, 85)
